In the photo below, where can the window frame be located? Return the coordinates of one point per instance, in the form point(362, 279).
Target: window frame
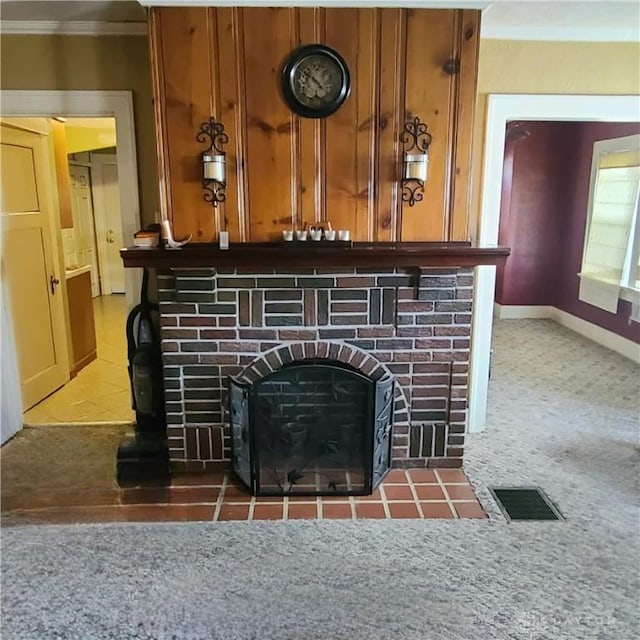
point(626, 286)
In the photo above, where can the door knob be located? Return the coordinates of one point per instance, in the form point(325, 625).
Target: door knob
point(53, 281)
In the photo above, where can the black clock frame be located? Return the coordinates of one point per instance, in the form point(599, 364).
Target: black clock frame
point(292, 62)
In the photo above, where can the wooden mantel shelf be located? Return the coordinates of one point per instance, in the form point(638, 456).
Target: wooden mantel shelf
point(272, 255)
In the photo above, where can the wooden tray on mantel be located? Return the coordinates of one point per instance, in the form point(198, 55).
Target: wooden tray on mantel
point(270, 255)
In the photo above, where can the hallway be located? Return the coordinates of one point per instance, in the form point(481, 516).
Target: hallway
point(100, 392)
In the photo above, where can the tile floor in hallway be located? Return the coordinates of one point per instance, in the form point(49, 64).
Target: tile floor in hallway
point(417, 493)
point(100, 392)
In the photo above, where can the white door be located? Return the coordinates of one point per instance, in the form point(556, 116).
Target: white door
point(108, 221)
point(83, 227)
point(28, 268)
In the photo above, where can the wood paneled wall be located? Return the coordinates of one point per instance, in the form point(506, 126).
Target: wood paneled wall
point(284, 170)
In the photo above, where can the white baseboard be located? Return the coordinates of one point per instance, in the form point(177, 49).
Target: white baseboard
point(520, 311)
point(604, 337)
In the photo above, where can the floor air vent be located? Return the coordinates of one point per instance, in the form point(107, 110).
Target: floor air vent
point(525, 503)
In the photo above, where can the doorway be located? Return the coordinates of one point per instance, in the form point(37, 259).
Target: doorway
point(95, 278)
point(112, 383)
point(94, 237)
point(501, 110)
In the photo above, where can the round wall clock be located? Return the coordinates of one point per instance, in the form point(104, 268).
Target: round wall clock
point(315, 81)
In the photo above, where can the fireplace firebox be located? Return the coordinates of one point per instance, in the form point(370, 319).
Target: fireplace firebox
point(313, 427)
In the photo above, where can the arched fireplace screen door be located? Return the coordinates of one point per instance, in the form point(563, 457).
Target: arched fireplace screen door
point(312, 428)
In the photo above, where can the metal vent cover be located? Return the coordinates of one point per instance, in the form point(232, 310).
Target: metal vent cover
point(525, 503)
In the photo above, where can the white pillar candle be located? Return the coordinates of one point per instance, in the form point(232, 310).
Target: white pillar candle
point(416, 166)
point(214, 167)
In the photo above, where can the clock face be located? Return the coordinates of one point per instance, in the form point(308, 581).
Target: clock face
point(315, 81)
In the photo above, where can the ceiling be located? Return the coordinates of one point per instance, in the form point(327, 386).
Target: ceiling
point(603, 20)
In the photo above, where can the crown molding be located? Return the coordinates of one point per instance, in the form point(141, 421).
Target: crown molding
point(72, 28)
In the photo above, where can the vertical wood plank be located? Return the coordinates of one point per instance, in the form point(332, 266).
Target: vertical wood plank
point(187, 86)
point(159, 109)
point(427, 95)
point(267, 41)
point(350, 32)
point(296, 134)
point(231, 110)
point(214, 99)
point(390, 122)
point(367, 138)
point(320, 131)
point(465, 109)
point(310, 149)
point(452, 129)
point(341, 127)
point(241, 80)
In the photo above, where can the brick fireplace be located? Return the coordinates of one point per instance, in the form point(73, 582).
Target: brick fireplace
point(393, 303)
point(411, 324)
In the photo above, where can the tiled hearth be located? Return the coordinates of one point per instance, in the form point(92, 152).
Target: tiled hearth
point(413, 324)
point(417, 493)
point(208, 497)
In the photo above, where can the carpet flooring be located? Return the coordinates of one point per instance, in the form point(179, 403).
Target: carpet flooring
point(563, 415)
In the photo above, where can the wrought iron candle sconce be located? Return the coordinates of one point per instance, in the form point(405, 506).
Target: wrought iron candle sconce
point(214, 178)
point(416, 140)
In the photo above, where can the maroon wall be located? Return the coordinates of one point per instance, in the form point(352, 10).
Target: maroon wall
point(544, 216)
point(530, 215)
point(574, 228)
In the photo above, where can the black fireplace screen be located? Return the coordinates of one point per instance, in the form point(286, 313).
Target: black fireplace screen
point(311, 428)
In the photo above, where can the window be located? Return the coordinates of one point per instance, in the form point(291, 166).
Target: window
point(611, 257)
